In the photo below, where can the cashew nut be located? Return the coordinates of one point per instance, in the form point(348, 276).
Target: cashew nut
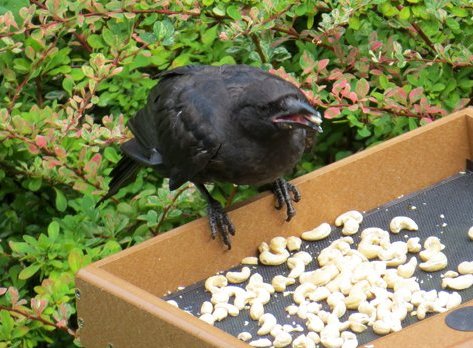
point(297, 267)
point(206, 308)
point(381, 327)
point(215, 282)
point(465, 267)
point(231, 309)
point(239, 277)
point(459, 283)
point(270, 259)
point(220, 313)
point(350, 227)
point(349, 340)
point(277, 245)
point(263, 247)
point(305, 256)
point(407, 270)
point(402, 223)
point(320, 232)
point(332, 342)
point(250, 260)
point(173, 303)
point(291, 309)
point(413, 245)
point(454, 300)
point(280, 282)
point(256, 310)
point(349, 215)
point(432, 245)
point(436, 262)
point(314, 323)
point(303, 341)
point(282, 339)
point(244, 336)
point(256, 281)
point(320, 276)
point(293, 243)
point(302, 292)
point(260, 343)
point(267, 322)
point(208, 318)
point(470, 233)
point(450, 274)
point(314, 336)
point(319, 294)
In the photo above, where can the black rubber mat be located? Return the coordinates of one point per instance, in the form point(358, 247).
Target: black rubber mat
point(444, 210)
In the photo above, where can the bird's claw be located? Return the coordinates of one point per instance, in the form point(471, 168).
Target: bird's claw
point(283, 190)
point(220, 223)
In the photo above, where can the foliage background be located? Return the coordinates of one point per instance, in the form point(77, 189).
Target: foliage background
point(73, 72)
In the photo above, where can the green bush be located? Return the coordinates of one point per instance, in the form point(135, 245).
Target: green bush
point(73, 72)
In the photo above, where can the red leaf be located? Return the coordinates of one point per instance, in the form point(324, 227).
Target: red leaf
point(375, 45)
point(33, 149)
point(322, 64)
point(41, 141)
point(427, 119)
point(415, 94)
point(362, 88)
point(376, 72)
point(96, 158)
point(332, 112)
point(3, 291)
point(353, 97)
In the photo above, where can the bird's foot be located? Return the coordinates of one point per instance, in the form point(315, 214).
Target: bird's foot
point(283, 190)
point(220, 223)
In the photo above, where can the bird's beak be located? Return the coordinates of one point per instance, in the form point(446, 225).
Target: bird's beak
point(299, 114)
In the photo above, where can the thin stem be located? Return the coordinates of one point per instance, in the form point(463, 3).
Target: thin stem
point(166, 209)
point(38, 318)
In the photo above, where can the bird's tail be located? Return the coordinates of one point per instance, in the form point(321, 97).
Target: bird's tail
point(123, 173)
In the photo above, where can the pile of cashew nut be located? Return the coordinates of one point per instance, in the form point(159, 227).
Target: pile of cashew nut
point(373, 282)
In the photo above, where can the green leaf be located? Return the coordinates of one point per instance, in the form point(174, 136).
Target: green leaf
point(354, 23)
point(209, 36)
point(388, 10)
point(75, 259)
point(148, 37)
point(6, 323)
point(234, 12)
point(53, 230)
point(111, 154)
point(453, 24)
point(61, 201)
point(405, 13)
point(34, 184)
point(363, 132)
point(68, 84)
point(163, 29)
point(95, 41)
point(29, 271)
point(301, 10)
point(218, 11)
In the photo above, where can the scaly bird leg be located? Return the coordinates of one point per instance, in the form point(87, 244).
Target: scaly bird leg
point(282, 190)
point(218, 219)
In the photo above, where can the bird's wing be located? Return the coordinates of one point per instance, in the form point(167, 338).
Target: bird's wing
point(180, 122)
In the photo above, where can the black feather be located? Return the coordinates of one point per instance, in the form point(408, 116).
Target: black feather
point(124, 173)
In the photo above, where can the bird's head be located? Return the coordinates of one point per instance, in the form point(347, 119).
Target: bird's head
point(292, 112)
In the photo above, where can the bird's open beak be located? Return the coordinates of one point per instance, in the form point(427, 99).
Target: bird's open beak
point(299, 114)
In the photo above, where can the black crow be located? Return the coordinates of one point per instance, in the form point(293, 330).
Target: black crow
point(232, 123)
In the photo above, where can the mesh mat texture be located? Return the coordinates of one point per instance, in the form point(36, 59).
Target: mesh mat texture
point(444, 210)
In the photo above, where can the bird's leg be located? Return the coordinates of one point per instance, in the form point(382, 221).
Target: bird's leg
point(283, 190)
point(218, 219)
